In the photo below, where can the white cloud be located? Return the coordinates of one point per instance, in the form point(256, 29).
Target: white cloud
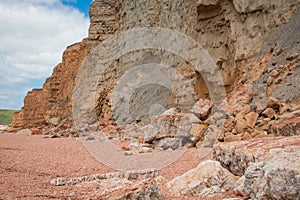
point(33, 36)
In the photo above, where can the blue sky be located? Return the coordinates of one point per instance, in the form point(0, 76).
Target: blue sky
point(33, 36)
point(81, 5)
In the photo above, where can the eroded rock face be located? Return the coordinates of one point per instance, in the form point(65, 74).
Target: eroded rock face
point(54, 100)
point(232, 32)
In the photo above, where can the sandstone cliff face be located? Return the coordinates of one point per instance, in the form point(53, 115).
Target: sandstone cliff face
point(54, 100)
point(233, 32)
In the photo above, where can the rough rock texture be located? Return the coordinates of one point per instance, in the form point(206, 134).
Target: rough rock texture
point(130, 175)
point(24, 132)
point(277, 176)
point(209, 178)
point(233, 33)
point(54, 100)
point(288, 127)
point(236, 156)
point(140, 184)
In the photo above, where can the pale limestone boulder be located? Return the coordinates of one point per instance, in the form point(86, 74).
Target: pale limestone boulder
point(277, 176)
point(237, 156)
point(24, 132)
point(209, 178)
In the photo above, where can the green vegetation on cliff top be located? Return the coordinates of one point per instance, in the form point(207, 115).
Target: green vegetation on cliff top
point(6, 116)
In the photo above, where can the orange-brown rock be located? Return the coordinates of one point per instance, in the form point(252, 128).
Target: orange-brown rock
point(54, 99)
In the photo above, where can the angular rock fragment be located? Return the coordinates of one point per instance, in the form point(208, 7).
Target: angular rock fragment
point(209, 178)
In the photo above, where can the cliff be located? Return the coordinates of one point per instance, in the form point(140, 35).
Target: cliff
point(162, 84)
point(54, 99)
point(241, 36)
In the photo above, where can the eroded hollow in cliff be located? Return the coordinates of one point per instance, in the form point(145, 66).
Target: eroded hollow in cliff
point(145, 83)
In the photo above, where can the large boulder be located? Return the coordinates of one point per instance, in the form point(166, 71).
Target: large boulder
point(209, 178)
point(170, 130)
point(276, 177)
point(237, 156)
point(287, 128)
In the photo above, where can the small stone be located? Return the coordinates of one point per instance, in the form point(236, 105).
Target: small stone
point(273, 103)
point(269, 81)
point(241, 126)
point(246, 136)
point(128, 153)
point(274, 73)
point(283, 108)
point(90, 138)
point(251, 119)
point(232, 138)
point(292, 56)
point(24, 132)
point(55, 136)
point(54, 121)
point(278, 80)
point(202, 108)
point(259, 134)
point(269, 113)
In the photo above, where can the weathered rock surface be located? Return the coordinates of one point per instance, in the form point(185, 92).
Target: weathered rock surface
point(140, 184)
point(287, 128)
point(237, 156)
point(277, 176)
point(54, 100)
point(130, 175)
point(24, 132)
point(202, 108)
point(241, 28)
point(209, 178)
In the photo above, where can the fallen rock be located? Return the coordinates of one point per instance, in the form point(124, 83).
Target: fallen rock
point(251, 119)
point(137, 184)
point(236, 156)
point(24, 132)
point(259, 134)
point(54, 121)
point(287, 128)
point(172, 143)
point(273, 103)
point(143, 189)
point(288, 116)
point(202, 108)
point(130, 175)
point(242, 95)
point(269, 113)
point(239, 187)
point(241, 126)
point(209, 178)
point(277, 176)
point(229, 137)
point(168, 126)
